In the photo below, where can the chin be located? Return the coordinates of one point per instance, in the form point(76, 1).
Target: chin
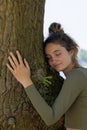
point(58, 69)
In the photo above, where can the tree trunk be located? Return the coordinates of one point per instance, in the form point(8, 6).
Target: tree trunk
point(21, 27)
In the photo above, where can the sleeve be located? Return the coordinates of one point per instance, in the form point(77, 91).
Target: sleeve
point(70, 91)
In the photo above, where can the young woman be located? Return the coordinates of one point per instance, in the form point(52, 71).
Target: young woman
point(61, 54)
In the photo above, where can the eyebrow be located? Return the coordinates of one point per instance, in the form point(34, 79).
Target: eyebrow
point(54, 52)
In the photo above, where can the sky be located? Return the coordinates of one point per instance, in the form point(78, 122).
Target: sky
point(72, 15)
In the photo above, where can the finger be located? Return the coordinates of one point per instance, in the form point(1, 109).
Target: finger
point(14, 58)
point(10, 68)
point(26, 63)
point(19, 57)
point(12, 62)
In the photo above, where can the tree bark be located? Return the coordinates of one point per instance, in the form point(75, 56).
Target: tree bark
point(21, 27)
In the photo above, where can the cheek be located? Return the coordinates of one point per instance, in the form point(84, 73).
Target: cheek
point(50, 63)
point(65, 58)
point(68, 59)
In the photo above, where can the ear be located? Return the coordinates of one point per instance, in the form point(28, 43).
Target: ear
point(71, 52)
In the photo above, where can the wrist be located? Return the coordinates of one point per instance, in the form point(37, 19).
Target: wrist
point(27, 84)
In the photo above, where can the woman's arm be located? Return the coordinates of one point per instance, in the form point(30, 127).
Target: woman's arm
point(68, 95)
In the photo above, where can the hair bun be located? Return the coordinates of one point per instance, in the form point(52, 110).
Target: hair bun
point(55, 28)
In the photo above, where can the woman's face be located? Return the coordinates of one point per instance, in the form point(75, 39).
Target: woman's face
point(58, 57)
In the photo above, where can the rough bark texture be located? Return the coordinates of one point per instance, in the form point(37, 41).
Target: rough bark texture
point(21, 27)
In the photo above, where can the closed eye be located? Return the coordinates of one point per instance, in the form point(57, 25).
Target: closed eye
point(57, 54)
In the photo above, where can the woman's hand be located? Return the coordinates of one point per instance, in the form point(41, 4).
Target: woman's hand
point(20, 69)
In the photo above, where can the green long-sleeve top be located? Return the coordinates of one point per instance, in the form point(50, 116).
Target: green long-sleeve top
point(71, 101)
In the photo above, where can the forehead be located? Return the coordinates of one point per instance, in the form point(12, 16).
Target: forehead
point(52, 47)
